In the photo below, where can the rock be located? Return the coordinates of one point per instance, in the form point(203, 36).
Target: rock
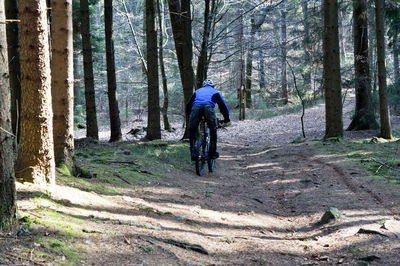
point(330, 215)
point(392, 226)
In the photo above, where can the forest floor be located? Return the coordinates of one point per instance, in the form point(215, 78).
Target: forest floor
point(262, 205)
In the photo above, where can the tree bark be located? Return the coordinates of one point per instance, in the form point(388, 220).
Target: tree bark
point(332, 86)
point(115, 122)
point(63, 83)
point(364, 117)
point(249, 63)
point(7, 179)
point(92, 130)
point(386, 131)
point(160, 10)
point(36, 153)
point(14, 64)
point(262, 72)
point(180, 14)
point(396, 68)
point(153, 122)
point(284, 82)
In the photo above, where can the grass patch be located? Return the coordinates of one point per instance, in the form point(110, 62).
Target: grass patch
point(65, 253)
point(381, 159)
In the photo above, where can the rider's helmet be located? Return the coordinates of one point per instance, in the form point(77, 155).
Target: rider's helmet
point(208, 82)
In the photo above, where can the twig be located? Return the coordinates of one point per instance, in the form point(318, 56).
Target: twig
point(158, 245)
point(301, 98)
point(9, 133)
point(384, 165)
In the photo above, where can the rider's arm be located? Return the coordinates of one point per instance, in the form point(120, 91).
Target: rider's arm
point(223, 107)
point(189, 104)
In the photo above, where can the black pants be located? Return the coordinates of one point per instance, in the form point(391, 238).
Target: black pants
point(198, 111)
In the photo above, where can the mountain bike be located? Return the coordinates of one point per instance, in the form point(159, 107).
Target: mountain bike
point(202, 147)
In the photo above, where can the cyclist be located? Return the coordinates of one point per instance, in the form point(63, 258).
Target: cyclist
point(202, 103)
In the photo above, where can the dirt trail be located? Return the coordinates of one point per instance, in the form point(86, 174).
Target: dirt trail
point(260, 207)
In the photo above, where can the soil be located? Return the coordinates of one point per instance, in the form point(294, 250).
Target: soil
point(261, 206)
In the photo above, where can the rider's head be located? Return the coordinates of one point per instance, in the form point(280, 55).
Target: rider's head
point(208, 82)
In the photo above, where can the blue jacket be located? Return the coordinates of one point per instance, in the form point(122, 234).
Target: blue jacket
point(208, 95)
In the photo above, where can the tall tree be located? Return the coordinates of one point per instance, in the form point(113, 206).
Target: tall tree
point(364, 117)
point(14, 65)
point(115, 122)
point(153, 122)
point(63, 83)
point(160, 11)
point(7, 179)
point(181, 23)
point(92, 130)
point(36, 154)
point(332, 86)
point(386, 131)
point(284, 82)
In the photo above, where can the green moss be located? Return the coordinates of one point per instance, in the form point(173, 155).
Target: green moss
point(59, 247)
point(66, 170)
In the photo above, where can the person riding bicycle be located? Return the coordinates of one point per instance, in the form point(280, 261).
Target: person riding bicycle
point(202, 103)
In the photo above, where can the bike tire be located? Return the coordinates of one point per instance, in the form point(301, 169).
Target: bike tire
point(200, 162)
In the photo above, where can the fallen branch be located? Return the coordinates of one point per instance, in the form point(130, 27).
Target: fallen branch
point(370, 232)
point(158, 245)
point(382, 164)
point(123, 179)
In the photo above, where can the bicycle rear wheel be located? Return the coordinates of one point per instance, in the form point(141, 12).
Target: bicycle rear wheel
point(200, 162)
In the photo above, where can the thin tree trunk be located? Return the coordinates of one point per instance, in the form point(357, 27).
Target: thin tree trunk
point(364, 117)
point(14, 64)
point(115, 122)
point(36, 153)
point(396, 68)
point(160, 10)
point(7, 179)
point(92, 130)
point(332, 86)
point(262, 72)
point(306, 45)
point(386, 131)
point(63, 83)
point(153, 121)
point(284, 82)
point(201, 73)
point(341, 37)
point(249, 63)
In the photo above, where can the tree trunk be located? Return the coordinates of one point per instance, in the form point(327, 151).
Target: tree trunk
point(36, 153)
point(306, 45)
point(396, 68)
point(92, 130)
point(14, 64)
point(7, 179)
point(249, 62)
point(364, 117)
point(160, 10)
point(386, 131)
point(153, 122)
point(63, 83)
point(180, 14)
point(262, 72)
point(284, 82)
point(201, 73)
point(341, 37)
point(332, 86)
point(115, 122)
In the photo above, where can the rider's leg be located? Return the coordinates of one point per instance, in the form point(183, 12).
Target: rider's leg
point(193, 124)
point(212, 124)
